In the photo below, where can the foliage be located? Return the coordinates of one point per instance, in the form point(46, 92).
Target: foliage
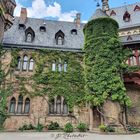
point(110, 129)
point(104, 63)
point(68, 84)
point(82, 127)
point(5, 86)
point(39, 127)
point(102, 127)
point(53, 126)
point(107, 128)
point(133, 129)
point(27, 127)
point(68, 128)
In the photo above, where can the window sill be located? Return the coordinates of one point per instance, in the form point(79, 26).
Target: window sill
point(15, 114)
point(58, 115)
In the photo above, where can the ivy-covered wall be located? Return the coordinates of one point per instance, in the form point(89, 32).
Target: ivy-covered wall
point(44, 81)
point(104, 62)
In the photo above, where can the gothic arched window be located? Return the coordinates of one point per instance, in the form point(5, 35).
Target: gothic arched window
point(59, 67)
point(51, 106)
point(27, 106)
point(20, 104)
point(25, 62)
point(12, 105)
point(54, 66)
point(59, 36)
point(30, 35)
point(133, 61)
point(65, 107)
point(31, 64)
point(58, 105)
point(65, 67)
point(19, 63)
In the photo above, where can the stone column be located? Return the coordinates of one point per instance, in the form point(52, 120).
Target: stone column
point(90, 119)
point(112, 110)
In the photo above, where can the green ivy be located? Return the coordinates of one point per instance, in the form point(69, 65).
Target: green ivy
point(104, 59)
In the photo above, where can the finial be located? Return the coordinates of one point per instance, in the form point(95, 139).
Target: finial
point(98, 4)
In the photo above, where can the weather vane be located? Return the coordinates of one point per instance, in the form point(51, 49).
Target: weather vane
point(98, 4)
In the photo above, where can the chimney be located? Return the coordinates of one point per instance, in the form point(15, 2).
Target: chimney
point(78, 19)
point(23, 16)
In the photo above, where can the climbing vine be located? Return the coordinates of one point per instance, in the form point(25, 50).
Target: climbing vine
point(43, 81)
point(104, 63)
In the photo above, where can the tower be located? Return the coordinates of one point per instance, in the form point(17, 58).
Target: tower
point(6, 15)
point(105, 5)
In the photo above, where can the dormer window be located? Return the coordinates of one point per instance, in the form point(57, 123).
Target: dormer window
point(113, 13)
point(126, 17)
point(22, 26)
point(74, 32)
point(42, 29)
point(30, 35)
point(59, 36)
point(137, 8)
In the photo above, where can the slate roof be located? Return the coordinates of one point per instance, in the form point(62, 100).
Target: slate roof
point(16, 37)
point(46, 39)
point(135, 15)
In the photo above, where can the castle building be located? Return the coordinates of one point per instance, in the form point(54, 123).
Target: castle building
point(64, 43)
point(6, 15)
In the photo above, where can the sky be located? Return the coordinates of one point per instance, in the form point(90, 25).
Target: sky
point(64, 10)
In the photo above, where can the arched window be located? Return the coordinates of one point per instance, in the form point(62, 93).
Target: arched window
point(19, 63)
point(65, 107)
point(54, 66)
point(60, 41)
point(133, 61)
point(25, 62)
point(58, 105)
point(12, 105)
point(20, 104)
point(59, 67)
point(51, 107)
point(65, 67)
point(59, 36)
point(27, 106)
point(31, 64)
point(29, 37)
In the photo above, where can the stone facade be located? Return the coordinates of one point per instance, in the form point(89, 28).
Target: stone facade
point(39, 106)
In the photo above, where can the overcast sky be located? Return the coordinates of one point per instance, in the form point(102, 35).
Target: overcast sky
point(64, 10)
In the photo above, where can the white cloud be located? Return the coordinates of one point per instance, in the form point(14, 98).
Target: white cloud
point(40, 9)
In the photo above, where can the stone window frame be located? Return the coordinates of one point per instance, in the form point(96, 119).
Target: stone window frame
point(21, 62)
point(22, 113)
point(60, 66)
point(56, 106)
point(59, 36)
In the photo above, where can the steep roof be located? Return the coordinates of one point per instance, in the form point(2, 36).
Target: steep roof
point(98, 13)
point(46, 39)
point(134, 15)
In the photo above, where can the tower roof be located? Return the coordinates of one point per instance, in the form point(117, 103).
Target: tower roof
point(98, 14)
